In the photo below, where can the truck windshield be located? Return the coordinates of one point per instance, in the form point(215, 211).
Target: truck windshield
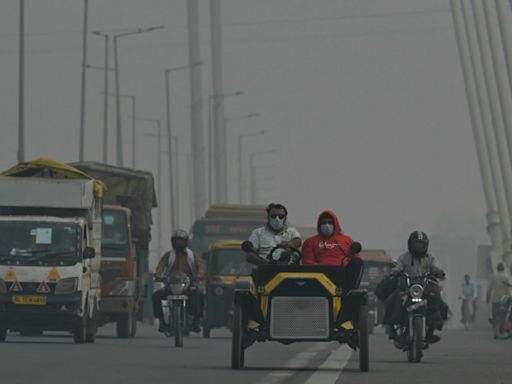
point(114, 242)
point(39, 243)
point(229, 262)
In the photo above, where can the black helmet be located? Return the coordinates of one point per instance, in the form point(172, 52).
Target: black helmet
point(180, 234)
point(418, 243)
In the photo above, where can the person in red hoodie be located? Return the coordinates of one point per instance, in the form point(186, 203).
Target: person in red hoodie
point(332, 247)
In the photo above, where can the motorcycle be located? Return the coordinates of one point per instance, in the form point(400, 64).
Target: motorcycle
point(503, 322)
point(411, 333)
point(174, 306)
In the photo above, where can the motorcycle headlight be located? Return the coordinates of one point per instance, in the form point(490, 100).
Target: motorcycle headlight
point(66, 286)
point(177, 288)
point(3, 287)
point(416, 291)
point(124, 288)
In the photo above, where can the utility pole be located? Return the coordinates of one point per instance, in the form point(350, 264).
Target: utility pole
point(21, 86)
point(84, 72)
point(105, 96)
point(196, 115)
point(219, 124)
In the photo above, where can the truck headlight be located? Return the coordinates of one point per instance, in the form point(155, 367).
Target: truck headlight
point(3, 287)
point(66, 286)
point(124, 288)
point(416, 291)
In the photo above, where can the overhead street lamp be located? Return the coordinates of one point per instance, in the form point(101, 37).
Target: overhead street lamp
point(240, 167)
point(173, 198)
point(211, 156)
point(134, 125)
point(119, 134)
point(159, 177)
point(82, 89)
point(253, 172)
point(21, 86)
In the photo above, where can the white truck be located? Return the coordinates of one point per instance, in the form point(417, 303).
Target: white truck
point(50, 254)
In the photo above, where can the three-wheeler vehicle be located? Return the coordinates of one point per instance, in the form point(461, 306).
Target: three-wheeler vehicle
point(226, 268)
point(291, 303)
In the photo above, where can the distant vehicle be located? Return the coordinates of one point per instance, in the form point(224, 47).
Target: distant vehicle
point(50, 250)
point(225, 222)
point(125, 244)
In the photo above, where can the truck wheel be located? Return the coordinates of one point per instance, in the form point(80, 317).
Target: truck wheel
point(206, 331)
point(364, 358)
point(91, 329)
point(80, 330)
point(3, 334)
point(124, 326)
point(134, 325)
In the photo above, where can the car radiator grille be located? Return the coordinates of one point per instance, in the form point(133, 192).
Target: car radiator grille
point(295, 317)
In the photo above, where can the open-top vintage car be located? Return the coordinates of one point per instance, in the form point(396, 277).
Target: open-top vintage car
point(290, 303)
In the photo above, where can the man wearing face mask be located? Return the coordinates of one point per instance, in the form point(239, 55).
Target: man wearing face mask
point(180, 259)
point(332, 247)
point(274, 233)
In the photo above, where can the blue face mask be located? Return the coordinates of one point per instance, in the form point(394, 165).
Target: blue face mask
point(326, 229)
point(276, 223)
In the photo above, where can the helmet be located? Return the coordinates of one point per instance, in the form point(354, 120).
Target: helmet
point(418, 243)
point(179, 234)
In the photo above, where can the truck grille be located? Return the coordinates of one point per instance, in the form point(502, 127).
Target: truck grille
point(294, 317)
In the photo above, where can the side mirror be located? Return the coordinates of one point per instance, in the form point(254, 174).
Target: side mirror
point(247, 246)
point(89, 253)
point(355, 247)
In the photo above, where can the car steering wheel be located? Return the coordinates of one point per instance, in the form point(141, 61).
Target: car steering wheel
point(291, 251)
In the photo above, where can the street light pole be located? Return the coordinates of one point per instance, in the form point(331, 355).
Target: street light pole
point(21, 86)
point(105, 97)
point(84, 72)
point(240, 168)
point(119, 133)
point(253, 171)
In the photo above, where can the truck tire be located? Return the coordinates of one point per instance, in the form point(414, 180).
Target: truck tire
point(134, 325)
point(80, 330)
point(124, 326)
point(91, 329)
point(3, 334)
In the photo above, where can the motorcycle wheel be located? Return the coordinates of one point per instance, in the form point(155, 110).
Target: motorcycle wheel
point(177, 313)
point(417, 342)
point(237, 350)
point(364, 358)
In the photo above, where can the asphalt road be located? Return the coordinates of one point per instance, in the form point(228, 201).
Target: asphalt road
point(460, 357)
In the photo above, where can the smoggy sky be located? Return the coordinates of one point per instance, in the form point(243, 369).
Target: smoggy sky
point(364, 100)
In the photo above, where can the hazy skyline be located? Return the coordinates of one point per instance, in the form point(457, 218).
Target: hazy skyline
point(364, 99)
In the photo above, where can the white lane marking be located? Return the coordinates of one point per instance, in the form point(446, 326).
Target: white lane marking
point(300, 360)
point(330, 370)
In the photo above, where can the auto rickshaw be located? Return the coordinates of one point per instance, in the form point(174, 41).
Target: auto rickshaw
point(377, 265)
point(291, 303)
point(226, 268)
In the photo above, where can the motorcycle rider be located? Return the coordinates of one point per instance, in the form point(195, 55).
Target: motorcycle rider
point(274, 233)
point(468, 297)
point(417, 261)
point(332, 247)
point(180, 259)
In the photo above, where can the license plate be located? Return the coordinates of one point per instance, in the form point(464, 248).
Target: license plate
point(29, 300)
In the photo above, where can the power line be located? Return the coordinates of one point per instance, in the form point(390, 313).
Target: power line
point(253, 23)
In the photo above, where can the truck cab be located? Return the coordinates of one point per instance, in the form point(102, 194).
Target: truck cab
point(49, 255)
point(119, 292)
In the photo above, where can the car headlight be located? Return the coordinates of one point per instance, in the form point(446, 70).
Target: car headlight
point(416, 291)
point(124, 288)
point(66, 286)
point(3, 287)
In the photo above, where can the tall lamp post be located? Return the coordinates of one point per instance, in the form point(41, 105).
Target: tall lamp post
point(211, 156)
point(82, 90)
point(253, 171)
point(119, 133)
point(134, 125)
point(159, 177)
point(172, 189)
point(105, 95)
point(21, 86)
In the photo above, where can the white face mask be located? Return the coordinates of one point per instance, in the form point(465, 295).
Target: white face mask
point(276, 223)
point(326, 229)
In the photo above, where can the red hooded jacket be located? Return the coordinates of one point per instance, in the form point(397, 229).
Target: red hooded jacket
point(328, 250)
